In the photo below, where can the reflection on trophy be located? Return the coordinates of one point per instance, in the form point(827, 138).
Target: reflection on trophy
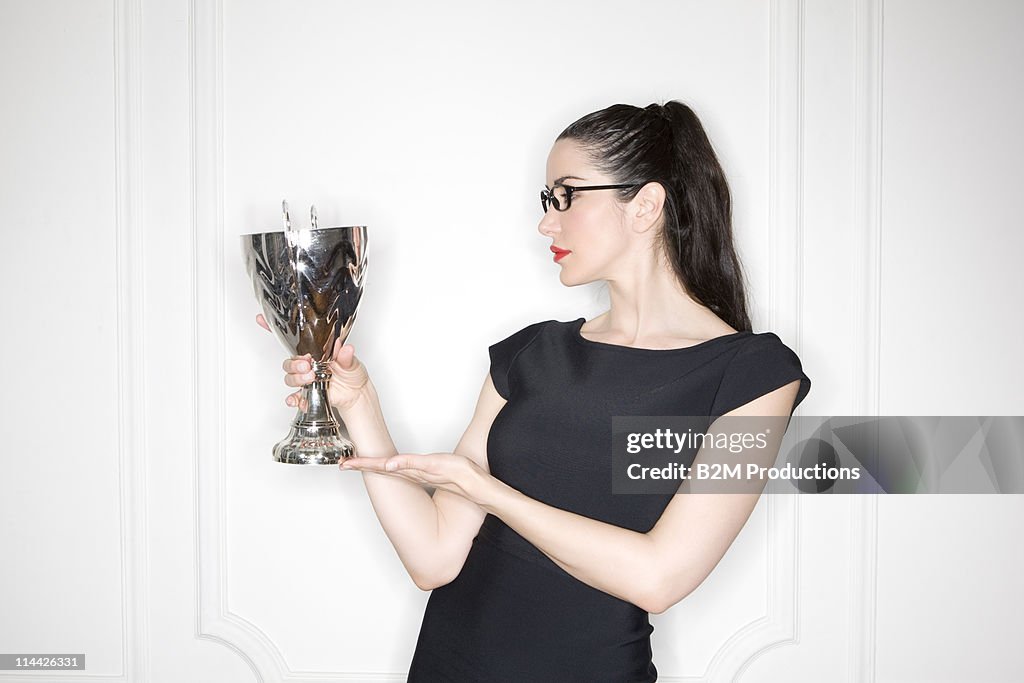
point(309, 284)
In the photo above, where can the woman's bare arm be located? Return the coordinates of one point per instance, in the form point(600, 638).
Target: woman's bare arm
point(459, 519)
point(432, 535)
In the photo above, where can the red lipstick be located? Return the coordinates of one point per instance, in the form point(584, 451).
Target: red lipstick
point(559, 253)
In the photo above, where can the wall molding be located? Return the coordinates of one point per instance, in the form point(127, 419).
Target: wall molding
point(214, 619)
point(866, 351)
point(205, 36)
point(786, 162)
point(129, 244)
point(132, 452)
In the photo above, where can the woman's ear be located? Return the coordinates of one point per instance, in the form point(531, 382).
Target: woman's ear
point(648, 205)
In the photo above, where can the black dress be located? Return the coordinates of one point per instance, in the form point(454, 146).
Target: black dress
point(514, 616)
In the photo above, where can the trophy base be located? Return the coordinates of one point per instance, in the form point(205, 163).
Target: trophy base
point(314, 445)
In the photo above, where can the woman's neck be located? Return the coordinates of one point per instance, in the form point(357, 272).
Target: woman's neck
point(649, 306)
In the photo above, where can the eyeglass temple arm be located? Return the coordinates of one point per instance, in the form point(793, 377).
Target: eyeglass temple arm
point(596, 187)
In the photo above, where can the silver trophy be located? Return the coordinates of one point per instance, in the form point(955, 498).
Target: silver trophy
point(309, 284)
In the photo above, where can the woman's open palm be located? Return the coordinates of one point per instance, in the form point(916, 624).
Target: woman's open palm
point(348, 374)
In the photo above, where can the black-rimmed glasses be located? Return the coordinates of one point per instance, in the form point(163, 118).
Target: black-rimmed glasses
point(561, 196)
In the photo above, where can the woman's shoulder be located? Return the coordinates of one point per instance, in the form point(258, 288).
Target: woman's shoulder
point(762, 363)
point(536, 328)
point(515, 342)
point(764, 345)
point(503, 354)
point(764, 354)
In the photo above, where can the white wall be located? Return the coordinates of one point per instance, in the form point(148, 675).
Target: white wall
point(872, 154)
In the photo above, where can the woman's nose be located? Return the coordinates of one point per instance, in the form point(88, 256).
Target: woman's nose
point(548, 225)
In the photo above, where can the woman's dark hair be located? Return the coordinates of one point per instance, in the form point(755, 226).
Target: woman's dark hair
point(667, 144)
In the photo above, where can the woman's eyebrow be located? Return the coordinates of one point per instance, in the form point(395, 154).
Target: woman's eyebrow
point(567, 177)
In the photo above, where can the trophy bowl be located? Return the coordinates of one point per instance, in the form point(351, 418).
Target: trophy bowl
point(309, 284)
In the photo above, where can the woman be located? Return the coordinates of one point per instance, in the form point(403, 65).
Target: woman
point(538, 572)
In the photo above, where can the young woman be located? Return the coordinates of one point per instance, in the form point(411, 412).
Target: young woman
point(539, 573)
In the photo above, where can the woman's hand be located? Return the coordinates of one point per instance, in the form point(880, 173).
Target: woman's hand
point(447, 471)
point(348, 375)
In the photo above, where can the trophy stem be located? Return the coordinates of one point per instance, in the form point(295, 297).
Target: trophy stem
point(318, 410)
point(316, 436)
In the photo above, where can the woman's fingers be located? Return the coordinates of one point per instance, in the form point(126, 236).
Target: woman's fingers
point(296, 400)
point(344, 354)
point(378, 465)
point(298, 364)
point(345, 358)
point(262, 322)
point(299, 370)
point(298, 379)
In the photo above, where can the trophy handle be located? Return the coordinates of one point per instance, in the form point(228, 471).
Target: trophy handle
point(317, 436)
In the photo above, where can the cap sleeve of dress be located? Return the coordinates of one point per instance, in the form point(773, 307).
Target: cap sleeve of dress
point(504, 353)
point(762, 364)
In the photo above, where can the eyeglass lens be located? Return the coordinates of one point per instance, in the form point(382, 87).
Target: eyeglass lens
point(558, 197)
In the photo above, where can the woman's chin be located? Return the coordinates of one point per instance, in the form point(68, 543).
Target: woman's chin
point(571, 280)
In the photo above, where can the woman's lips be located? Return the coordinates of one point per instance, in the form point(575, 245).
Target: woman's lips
point(560, 253)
